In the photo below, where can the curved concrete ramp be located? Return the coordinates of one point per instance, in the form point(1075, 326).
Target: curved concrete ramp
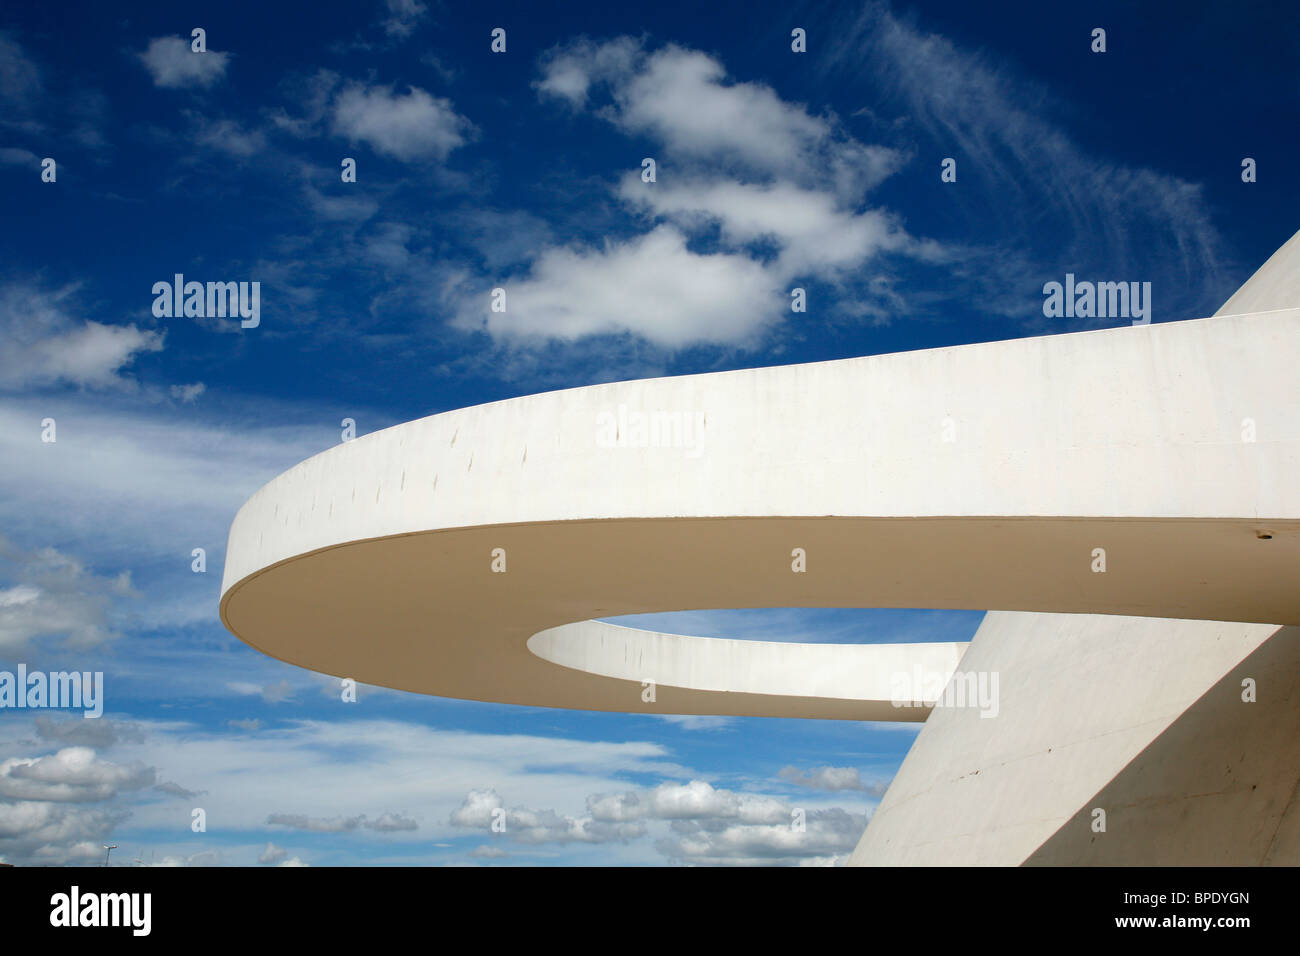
point(1106, 479)
point(424, 557)
point(867, 681)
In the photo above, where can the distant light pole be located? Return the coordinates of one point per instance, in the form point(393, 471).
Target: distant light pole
point(107, 850)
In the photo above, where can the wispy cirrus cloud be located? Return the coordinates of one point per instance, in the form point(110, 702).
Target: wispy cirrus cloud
point(1060, 206)
point(403, 16)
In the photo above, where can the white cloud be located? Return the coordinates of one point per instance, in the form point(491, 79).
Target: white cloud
point(188, 393)
point(298, 821)
point(684, 99)
point(312, 94)
point(696, 721)
point(341, 208)
point(273, 854)
point(11, 156)
point(680, 97)
point(72, 775)
point(814, 233)
point(20, 86)
point(173, 64)
point(334, 775)
point(46, 345)
point(176, 790)
point(275, 693)
point(830, 778)
point(54, 833)
point(402, 17)
point(384, 823)
point(827, 837)
point(477, 809)
point(202, 858)
point(118, 463)
point(568, 72)
point(651, 285)
point(229, 137)
point(484, 810)
point(705, 825)
point(796, 183)
point(698, 800)
point(1060, 203)
point(56, 597)
point(392, 823)
point(99, 733)
point(410, 126)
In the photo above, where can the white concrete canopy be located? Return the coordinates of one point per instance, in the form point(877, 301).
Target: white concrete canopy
point(1117, 476)
point(980, 476)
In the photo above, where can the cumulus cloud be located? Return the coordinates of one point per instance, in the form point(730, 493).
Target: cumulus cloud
point(389, 767)
point(72, 775)
point(273, 854)
point(173, 64)
point(45, 344)
point(53, 595)
point(830, 778)
point(685, 100)
point(410, 126)
point(698, 800)
point(652, 285)
point(47, 833)
point(813, 231)
point(484, 809)
point(827, 837)
point(752, 193)
point(569, 71)
point(705, 825)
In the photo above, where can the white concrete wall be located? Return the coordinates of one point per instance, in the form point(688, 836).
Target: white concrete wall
point(1140, 717)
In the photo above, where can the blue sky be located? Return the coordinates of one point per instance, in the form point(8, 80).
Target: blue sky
point(521, 169)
